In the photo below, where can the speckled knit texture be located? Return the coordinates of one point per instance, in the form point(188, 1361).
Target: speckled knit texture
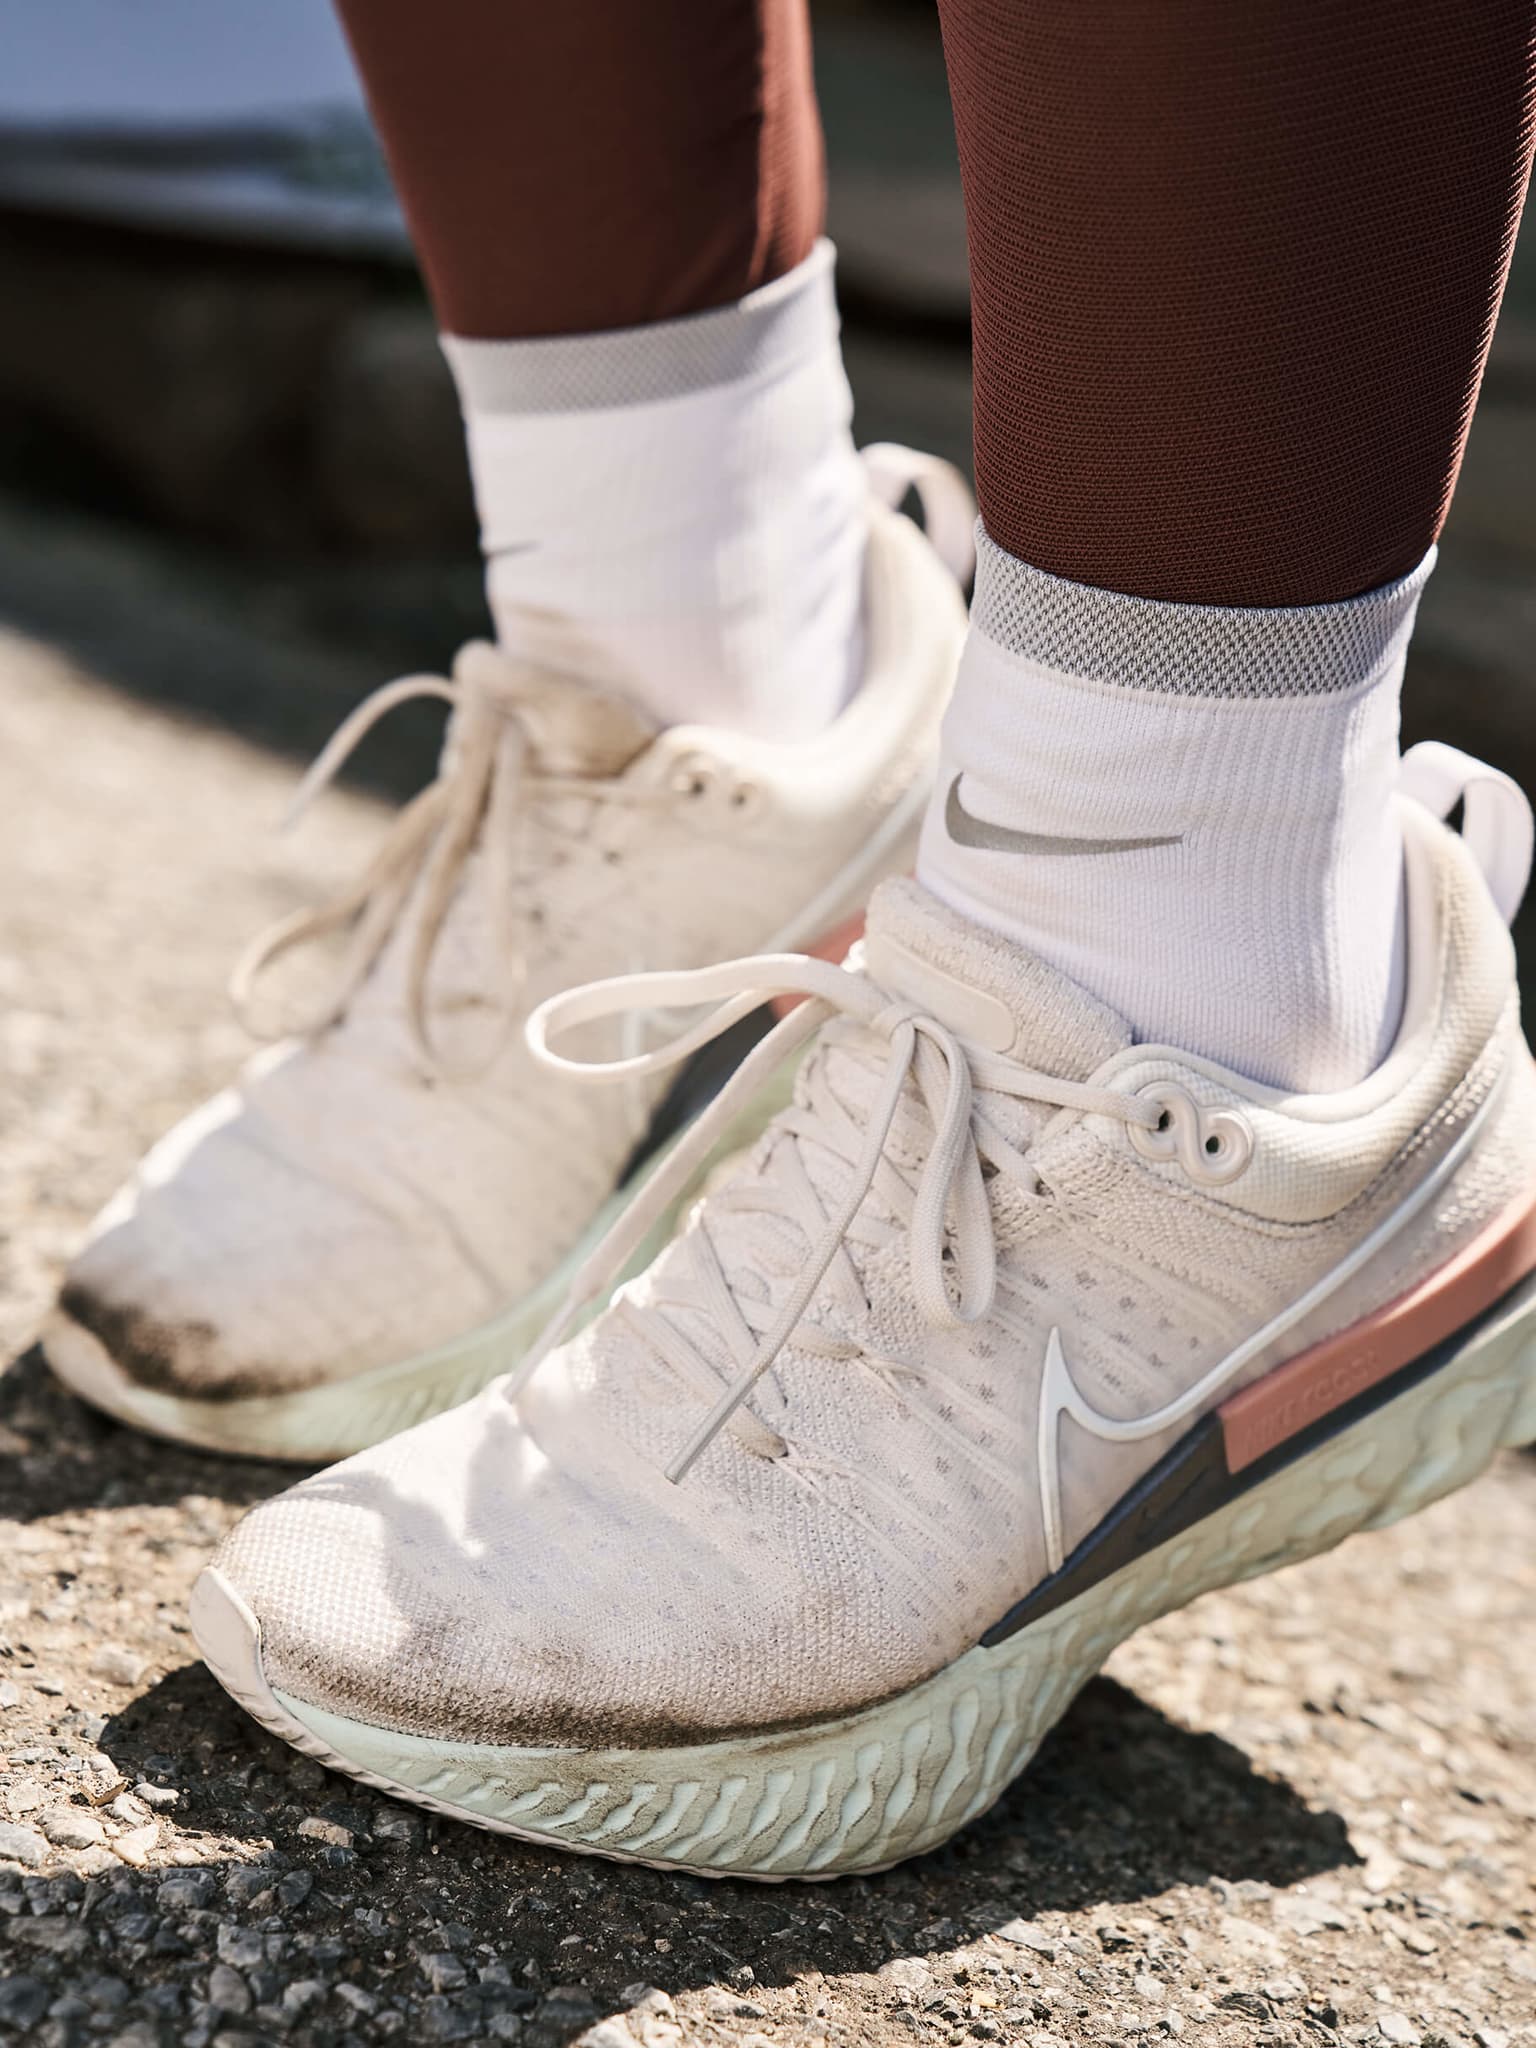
point(343, 1206)
point(523, 1572)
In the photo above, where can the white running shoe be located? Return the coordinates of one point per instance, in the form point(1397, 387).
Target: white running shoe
point(1009, 1336)
point(381, 1213)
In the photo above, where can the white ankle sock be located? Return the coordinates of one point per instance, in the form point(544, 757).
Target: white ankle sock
point(1187, 808)
point(677, 512)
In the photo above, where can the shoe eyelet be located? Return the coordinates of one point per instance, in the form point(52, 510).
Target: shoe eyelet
point(694, 778)
point(1213, 1146)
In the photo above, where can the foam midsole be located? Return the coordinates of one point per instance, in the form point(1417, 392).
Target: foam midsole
point(865, 1789)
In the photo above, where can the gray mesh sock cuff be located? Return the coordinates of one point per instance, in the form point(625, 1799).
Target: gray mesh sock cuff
point(772, 328)
point(1190, 650)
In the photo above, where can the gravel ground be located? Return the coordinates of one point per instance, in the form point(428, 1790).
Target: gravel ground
point(1303, 1812)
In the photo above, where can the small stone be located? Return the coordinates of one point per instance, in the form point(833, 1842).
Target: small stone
point(157, 1796)
point(242, 1948)
point(1025, 1934)
point(10, 1694)
point(394, 1826)
point(1150, 1987)
point(246, 1883)
point(71, 1827)
point(299, 1996)
point(651, 2017)
point(228, 1990)
point(609, 2033)
point(1490, 2037)
point(444, 1972)
point(328, 1831)
point(296, 1887)
point(21, 1845)
point(104, 1994)
point(906, 1973)
point(117, 1665)
point(23, 2001)
point(1416, 1940)
point(354, 1995)
point(54, 1932)
point(51, 1688)
point(137, 1845)
point(1301, 1914)
point(442, 2020)
point(185, 1891)
point(1398, 2028)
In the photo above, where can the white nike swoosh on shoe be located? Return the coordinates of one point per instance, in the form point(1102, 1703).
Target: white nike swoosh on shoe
point(1059, 1393)
point(965, 829)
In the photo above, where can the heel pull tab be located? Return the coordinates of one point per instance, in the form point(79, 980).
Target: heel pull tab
point(1496, 816)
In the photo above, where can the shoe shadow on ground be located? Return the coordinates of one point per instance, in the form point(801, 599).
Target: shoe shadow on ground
point(69, 1456)
point(462, 1933)
point(454, 1926)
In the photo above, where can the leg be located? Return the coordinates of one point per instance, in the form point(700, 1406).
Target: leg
point(591, 166)
point(1235, 273)
point(711, 722)
point(671, 511)
point(1010, 1333)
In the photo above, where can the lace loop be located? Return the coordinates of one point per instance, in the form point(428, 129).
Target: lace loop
point(488, 774)
point(949, 510)
point(948, 1212)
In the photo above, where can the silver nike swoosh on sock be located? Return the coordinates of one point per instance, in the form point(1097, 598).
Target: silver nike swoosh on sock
point(966, 830)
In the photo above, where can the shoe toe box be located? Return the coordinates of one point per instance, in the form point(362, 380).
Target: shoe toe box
point(253, 1254)
point(480, 1580)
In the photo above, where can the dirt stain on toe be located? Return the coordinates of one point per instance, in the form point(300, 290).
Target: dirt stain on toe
point(178, 1358)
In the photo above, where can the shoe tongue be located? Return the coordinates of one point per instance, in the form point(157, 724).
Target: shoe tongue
point(573, 727)
point(986, 988)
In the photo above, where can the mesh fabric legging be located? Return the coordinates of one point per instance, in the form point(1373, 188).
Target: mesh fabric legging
point(1234, 267)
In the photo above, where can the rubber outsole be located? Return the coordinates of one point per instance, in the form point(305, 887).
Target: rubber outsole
point(869, 1789)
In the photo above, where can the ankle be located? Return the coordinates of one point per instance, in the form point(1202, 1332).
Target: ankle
point(677, 512)
point(1189, 810)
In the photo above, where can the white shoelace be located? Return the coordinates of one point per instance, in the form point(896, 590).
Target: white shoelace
point(948, 1208)
point(486, 778)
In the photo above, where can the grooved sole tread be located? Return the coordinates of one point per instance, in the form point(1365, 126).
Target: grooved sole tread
point(871, 1788)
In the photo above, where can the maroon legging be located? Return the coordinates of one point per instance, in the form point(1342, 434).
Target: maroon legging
point(1235, 263)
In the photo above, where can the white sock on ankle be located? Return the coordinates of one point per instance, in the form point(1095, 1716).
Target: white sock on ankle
point(676, 511)
point(1187, 808)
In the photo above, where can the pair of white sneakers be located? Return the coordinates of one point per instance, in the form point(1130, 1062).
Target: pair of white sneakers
point(989, 1335)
